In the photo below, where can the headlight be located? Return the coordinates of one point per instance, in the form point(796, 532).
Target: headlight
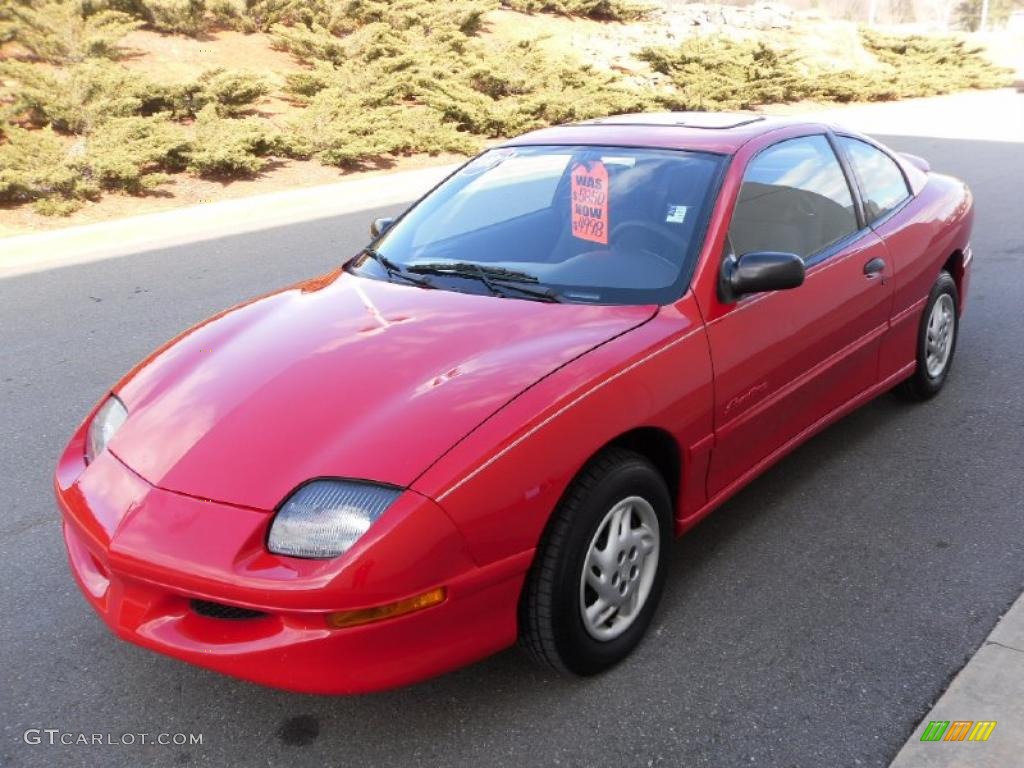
point(105, 423)
point(325, 517)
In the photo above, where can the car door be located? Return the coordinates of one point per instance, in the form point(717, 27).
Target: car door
point(785, 360)
point(885, 192)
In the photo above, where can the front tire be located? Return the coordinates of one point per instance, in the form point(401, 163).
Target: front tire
point(936, 341)
point(600, 567)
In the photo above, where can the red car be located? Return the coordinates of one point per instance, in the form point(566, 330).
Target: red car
point(489, 423)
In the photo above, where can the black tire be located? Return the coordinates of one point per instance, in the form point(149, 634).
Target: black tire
point(922, 385)
point(551, 624)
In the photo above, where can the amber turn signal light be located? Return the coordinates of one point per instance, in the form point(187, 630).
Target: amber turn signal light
point(340, 619)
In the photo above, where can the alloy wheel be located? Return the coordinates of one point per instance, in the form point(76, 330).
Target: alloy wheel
point(939, 336)
point(619, 568)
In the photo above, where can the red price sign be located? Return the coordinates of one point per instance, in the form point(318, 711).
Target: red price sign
point(590, 202)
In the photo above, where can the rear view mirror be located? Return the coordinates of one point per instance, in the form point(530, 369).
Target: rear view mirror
point(759, 271)
point(379, 226)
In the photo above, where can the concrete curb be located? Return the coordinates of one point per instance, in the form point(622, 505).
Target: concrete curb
point(22, 254)
point(989, 688)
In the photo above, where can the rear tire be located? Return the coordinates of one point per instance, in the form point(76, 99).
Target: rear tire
point(600, 567)
point(936, 342)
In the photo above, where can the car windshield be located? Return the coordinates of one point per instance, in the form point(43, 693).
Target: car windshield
point(607, 225)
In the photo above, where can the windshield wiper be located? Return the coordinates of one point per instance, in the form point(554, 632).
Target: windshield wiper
point(393, 270)
point(470, 269)
point(540, 294)
point(498, 280)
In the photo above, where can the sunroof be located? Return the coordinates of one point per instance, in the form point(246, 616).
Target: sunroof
point(711, 120)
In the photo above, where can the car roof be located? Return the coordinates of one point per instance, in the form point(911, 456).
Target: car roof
point(721, 132)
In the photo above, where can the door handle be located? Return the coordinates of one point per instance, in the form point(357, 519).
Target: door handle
point(874, 268)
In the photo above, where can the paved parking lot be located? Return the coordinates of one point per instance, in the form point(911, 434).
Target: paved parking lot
point(812, 621)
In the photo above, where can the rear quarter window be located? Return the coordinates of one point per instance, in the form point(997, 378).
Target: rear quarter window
point(883, 186)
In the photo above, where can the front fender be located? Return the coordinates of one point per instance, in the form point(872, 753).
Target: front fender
point(500, 484)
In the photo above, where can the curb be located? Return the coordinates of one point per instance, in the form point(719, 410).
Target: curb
point(989, 689)
point(22, 254)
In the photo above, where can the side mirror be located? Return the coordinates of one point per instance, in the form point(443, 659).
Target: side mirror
point(759, 271)
point(379, 226)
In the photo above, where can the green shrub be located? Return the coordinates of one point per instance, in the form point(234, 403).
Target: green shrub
point(303, 85)
point(57, 206)
point(925, 66)
point(339, 17)
point(176, 17)
point(262, 15)
point(60, 32)
point(518, 87)
point(81, 96)
point(76, 97)
point(227, 13)
point(452, 81)
point(338, 129)
point(313, 43)
point(130, 154)
point(136, 8)
point(402, 15)
point(37, 166)
point(231, 91)
point(722, 73)
point(368, 43)
point(134, 154)
point(9, 20)
point(228, 147)
point(605, 10)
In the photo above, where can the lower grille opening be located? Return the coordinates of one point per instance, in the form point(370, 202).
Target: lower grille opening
point(221, 611)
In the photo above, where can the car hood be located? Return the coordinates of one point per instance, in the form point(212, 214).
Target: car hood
point(341, 376)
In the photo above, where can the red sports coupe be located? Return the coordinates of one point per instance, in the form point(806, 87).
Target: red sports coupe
point(488, 424)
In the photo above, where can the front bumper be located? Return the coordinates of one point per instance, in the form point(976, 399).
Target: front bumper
point(142, 555)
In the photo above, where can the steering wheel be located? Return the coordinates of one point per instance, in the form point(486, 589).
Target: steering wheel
point(648, 226)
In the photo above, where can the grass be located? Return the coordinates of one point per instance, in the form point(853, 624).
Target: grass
point(381, 79)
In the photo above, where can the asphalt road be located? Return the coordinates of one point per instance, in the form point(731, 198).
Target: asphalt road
point(809, 622)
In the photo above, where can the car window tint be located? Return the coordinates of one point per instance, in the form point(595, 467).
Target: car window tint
point(794, 199)
point(883, 186)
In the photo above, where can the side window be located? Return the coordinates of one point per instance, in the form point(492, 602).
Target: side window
point(794, 199)
point(882, 183)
